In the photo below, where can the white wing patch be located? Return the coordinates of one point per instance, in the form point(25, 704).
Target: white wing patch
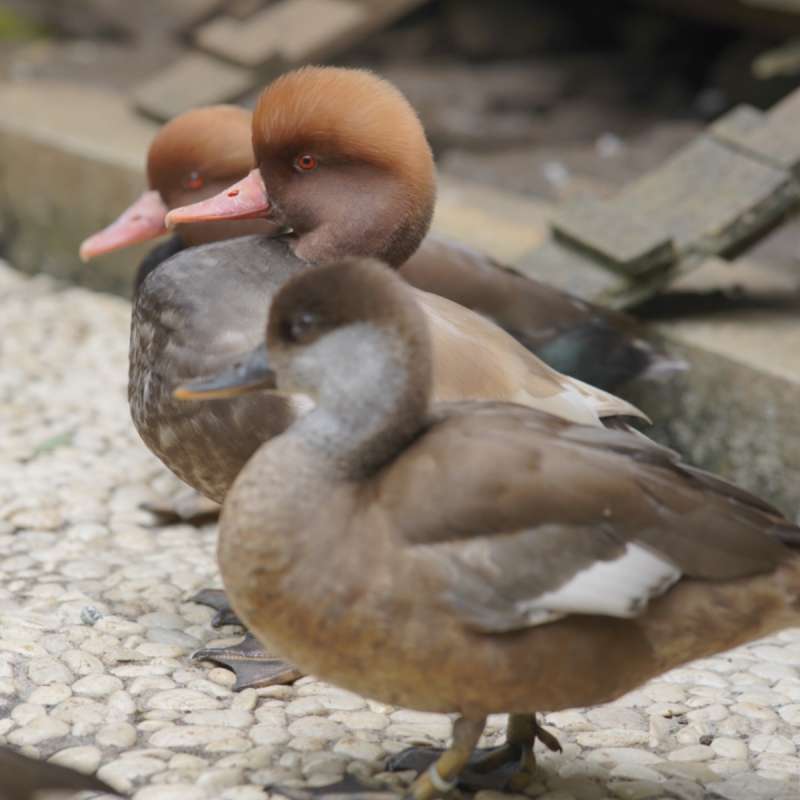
point(300, 404)
point(604, 403)
point(619, 588)
point(570, 404)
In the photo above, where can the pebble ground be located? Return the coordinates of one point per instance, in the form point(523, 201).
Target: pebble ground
point(96, 626)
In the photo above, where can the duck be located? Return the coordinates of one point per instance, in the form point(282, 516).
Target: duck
point(193, 156)
point(204, 150)
point(473, 557)
point(205, 305)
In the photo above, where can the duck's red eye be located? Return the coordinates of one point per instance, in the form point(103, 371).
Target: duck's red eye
point(305, 162)
point(194, 180)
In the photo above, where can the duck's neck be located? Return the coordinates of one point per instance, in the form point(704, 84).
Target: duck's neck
point(369, 408)
point(370, 216)
point(367, 412)
point(286, 513)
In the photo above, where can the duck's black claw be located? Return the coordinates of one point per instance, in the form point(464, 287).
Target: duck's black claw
point(349, 786)
point(548, 740)
point(225, 616)
point(251, 664)
point(218, 600)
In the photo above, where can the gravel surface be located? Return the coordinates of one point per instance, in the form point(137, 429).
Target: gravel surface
point(96, 626)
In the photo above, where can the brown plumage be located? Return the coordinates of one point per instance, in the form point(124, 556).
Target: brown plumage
point(348, 114)
point(475, 558)
point(201, 147)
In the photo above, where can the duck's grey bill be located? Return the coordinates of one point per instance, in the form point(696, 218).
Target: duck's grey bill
point(252, 373)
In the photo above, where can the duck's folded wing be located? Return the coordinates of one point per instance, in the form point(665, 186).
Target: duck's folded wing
point(524, 518)
point(597, 345)
point(480, 361)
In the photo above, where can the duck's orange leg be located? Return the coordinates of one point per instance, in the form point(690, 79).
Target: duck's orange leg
point(441, 777)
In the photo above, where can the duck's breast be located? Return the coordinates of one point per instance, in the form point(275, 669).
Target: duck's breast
point(193, 316)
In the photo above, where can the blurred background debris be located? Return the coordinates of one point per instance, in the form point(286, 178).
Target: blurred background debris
point(525, 94)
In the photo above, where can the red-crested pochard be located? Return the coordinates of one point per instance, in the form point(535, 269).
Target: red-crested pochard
point(192, 157)
point(204, 150)
point(474, 557)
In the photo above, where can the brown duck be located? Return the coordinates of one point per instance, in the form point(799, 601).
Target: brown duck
point(192, 157)
point(204, 150)
point(474, 557)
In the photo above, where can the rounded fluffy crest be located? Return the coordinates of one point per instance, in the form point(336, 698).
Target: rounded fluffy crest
point(346, 113)
point(213, 141)
point(351, 291)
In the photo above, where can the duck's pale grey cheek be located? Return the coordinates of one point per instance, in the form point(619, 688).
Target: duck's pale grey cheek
point(303, 373)
point(344, 362)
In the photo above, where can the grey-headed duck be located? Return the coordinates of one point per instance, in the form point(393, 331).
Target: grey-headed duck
point(474, 557)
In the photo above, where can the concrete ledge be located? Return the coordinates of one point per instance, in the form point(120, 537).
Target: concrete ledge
point(737, 410)
point(70, 159)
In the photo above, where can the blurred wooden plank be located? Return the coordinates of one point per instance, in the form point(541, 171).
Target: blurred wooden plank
point(738, 121)
point(769, 18)
point(772, 136)
point(709, 197)
point(194, 80)
point(294, 32)
point(290, 30)
point(629, 242)
point(185, 14)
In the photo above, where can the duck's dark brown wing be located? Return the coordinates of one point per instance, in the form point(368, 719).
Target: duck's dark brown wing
point(21, 778)
point(525, 517)
point(599, 346)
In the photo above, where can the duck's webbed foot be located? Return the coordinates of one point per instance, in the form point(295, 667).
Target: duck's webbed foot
point(218, 600)
point(512, 765)
point(443, 775)
point(189, 507)
point(251, 664)
point(348, 787)
point(522, 732)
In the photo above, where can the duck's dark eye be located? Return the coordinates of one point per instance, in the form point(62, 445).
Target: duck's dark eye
point(300, 326)
point(305, 162)
point(194, 180)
